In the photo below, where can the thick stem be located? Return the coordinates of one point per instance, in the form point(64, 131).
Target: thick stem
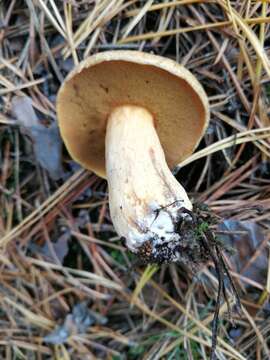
point(145, 198)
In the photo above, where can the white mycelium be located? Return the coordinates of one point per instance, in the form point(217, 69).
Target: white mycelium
point(158, 226)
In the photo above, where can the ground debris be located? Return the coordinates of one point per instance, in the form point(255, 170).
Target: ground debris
point(211, 247)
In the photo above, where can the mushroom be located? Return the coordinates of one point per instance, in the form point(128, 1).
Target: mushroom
point(130, 117)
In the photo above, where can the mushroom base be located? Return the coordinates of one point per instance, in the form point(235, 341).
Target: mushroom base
point(193, 245)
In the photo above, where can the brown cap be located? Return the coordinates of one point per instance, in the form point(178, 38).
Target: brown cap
point(96, 86)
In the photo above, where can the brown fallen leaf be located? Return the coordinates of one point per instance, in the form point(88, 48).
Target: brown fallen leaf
point(76, 322)
point(59, 247)
point(246, 237)
point(47, 143)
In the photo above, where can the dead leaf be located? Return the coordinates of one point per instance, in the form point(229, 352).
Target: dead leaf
point(46, 141)
point(77, 322)
point(245, 237)
point(60, 248)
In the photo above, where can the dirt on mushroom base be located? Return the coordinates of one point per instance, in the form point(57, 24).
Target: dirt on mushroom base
point(196, 230)
point(197, 246)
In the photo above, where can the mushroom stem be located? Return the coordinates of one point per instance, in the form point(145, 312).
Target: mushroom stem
point(145, 198)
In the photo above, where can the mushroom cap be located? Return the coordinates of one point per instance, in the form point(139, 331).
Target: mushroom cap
point(109, 79)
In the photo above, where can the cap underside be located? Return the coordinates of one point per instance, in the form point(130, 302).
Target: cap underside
point(87, 98)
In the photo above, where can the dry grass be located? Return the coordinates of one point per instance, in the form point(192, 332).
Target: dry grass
point(151, 313)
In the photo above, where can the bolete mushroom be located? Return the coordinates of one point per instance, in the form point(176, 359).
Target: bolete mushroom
point(130, 117)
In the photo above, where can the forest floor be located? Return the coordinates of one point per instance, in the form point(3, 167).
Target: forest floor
point(69, 287)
